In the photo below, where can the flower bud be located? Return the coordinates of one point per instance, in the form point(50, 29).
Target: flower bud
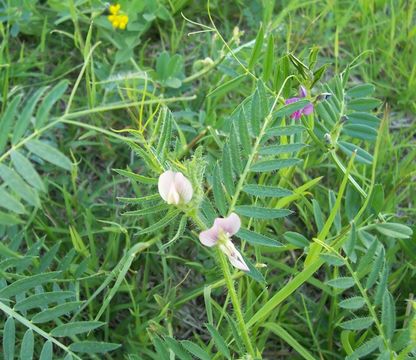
point(302, 91)
point(208, 61)
point(327, 138)
point(175, 188)
point(323, 96)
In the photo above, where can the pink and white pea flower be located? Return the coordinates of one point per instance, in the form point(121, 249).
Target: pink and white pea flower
point(175, 188)
point(308, 109)
point(220, 234)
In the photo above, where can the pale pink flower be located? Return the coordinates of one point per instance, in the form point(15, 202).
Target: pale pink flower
point(220, 234)
point(175, 188)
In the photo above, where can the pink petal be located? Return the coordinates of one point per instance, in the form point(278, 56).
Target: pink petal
point(166, 180)
point(296, 115)
point(183, 187)
point(308, 109)
point(230, 224)
point(291, 100)
point(209, 237)
point(302, 91)
point(234, 256)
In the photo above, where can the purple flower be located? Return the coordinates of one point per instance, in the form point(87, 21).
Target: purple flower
point(308, 109)
point(220, 234)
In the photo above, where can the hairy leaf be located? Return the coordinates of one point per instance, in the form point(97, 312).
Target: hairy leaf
point(93, 347)
point(266, 191)
point(219, 341)
point(352, 303)
point(261, 213)
point(257, 239)
point(272, 165)
point(341, 282)
point(358, 323)
point(76, 327)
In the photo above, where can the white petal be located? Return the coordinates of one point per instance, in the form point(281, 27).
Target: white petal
point(234, 256)
point(183, 187)
point(209, 237)
point(173, 196)
point(166, 180)
point(230, 224)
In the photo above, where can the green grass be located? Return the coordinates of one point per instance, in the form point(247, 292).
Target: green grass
point(91, 116)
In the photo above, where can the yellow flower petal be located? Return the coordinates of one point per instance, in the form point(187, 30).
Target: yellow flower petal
point(122, 26)
point(114, 9)
point(124, 19)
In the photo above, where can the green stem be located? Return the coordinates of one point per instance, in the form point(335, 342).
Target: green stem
point(229, 281)
point(9, 311)
point(66, 119)
point(403, 354)
point(96, 128)
point(30, 137)
point(315, 248)
point(313, 135)
point(236, 303)
point(246, 170)
point(368, 303)
point(341, 167)
point(123, 105)
point(80, 75)
point(268, 119)
point(334, 157)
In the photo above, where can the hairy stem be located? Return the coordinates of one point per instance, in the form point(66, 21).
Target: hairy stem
point(236, 303)
point(229, 281)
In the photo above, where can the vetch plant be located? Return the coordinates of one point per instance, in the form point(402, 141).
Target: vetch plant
point(240, 189)
point(176, 200)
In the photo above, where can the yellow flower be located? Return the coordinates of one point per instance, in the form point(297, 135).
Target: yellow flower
point(114, 9)
point(119, 21)
point(123, 19)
